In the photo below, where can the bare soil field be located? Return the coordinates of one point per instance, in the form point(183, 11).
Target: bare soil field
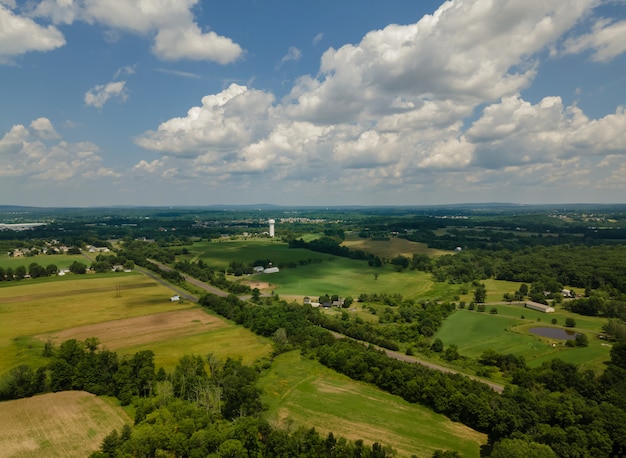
point(141, 330)
point(64, 424)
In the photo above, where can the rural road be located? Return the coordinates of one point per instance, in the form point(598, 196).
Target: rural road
point(411, 359)
point(193, 281)
point(392, 354)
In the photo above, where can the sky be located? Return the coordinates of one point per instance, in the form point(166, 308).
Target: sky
point(351, 102)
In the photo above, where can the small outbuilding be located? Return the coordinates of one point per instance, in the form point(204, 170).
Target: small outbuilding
point(539, 307)
point(271, 270)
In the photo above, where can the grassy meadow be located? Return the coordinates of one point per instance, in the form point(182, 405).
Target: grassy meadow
point(302, 392)
point(507, 332)
point(329, 275)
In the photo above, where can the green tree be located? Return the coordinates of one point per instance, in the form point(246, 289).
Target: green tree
point(581, 340)
point(519, 448)
point(480, 294)
point(78, 268)
point(20, 272)
point(437, 345)
point(570, 322)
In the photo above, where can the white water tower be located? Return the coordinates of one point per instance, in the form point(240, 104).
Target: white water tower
point(271, 227)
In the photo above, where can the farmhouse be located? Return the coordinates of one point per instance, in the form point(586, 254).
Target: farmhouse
point(539, 307)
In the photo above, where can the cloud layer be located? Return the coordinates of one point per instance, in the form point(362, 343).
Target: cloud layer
point(439, 105)
point(440, 95)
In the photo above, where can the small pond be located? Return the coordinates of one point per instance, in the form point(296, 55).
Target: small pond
point(554, 333)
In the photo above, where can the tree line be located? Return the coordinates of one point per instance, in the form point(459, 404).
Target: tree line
point(554, 410)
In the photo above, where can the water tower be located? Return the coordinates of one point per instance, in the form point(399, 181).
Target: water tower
point(271, 227)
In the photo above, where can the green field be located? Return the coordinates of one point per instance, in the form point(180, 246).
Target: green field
point(62, 261)
point(231, 341)
point(331, 275)
point(474, 332)
point(303, 392)
point(221, 252)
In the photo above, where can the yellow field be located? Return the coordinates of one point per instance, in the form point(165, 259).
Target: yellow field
point(64, 424)
point(126, 312)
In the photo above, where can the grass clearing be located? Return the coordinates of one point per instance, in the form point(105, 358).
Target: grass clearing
point(63, 424)
point(303, 392)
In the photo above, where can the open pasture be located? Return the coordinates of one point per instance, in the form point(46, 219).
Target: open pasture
point(303, 392)
point(221, 252)
point(390, 248)
point(347, 277)
point(63, 424)
point(507, 332)
point(126, 312)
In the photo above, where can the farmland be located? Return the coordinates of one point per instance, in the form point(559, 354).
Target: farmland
point(303, 392)
point(64, 424)
point(124, 311)
point(421, 303)
point(314, 274)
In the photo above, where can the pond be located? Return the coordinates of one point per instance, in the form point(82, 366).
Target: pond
point(554, 333)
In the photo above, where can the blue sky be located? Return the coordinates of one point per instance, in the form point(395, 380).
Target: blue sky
point(357, 102)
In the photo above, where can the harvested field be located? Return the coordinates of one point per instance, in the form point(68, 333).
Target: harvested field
point(131, 332)
point(64, 424)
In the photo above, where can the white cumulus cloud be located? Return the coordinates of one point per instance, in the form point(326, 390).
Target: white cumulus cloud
point(171, 24)
point(101, 93)
point(19, 35)
point(607, 40)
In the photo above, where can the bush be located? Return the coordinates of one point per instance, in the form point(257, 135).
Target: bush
point(570, 322)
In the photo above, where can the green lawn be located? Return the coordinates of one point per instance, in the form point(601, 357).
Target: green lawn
point(303, 392)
